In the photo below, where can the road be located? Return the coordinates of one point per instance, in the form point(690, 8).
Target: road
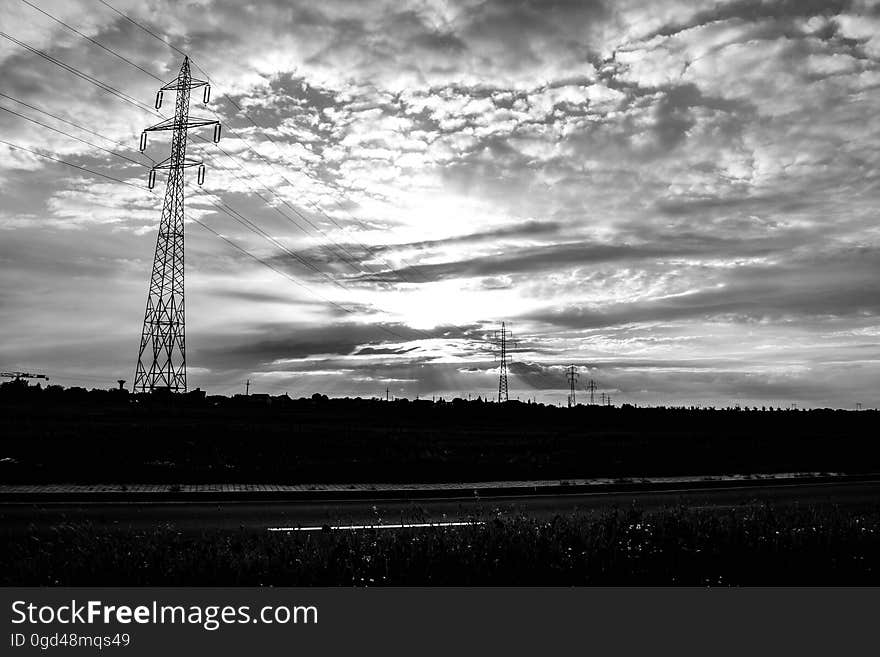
point(190, 517)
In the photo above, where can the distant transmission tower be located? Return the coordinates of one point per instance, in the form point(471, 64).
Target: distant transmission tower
point(572, 375)
point(591, 388)
point(502, 337)
point(162, 354)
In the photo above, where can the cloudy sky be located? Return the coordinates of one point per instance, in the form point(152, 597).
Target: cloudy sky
point(679, 197)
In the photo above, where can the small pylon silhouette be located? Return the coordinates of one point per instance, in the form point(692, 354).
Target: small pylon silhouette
point(591, 388)
point(572, 375)
point(501, 340)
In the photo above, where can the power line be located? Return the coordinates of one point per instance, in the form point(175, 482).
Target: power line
point(340, 307)
point(90, 39)
point(111, 90)
point(209, 229)
point(77, 72)
point(288, 276)
point(309, 202)
point(200, 223)
point(237, 216)
point(67, 134)
point(254, 228)
point(350, 263)
point(71, 123)
point(153, 34)
point(370, 251)
point(71, 164)
point(261, 260)
point(367, 249)
point(128, 99)
point(125, 97)
point(232, 212)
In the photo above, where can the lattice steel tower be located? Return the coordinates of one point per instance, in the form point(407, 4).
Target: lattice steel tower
point(571, 374)
point(591, 388)
point(501, 339)
point(162, 354)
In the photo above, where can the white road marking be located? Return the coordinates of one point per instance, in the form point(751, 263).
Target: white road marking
point(391, 526)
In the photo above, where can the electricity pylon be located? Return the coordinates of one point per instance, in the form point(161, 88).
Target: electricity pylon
point(591, 388)
point(572, 375)
point(162, 354)
point(501, 339)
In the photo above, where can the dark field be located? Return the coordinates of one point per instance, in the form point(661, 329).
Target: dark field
point(57, 435)
point(745, 545)
point(70, 435)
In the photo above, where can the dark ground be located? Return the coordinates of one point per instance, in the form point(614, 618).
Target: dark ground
point(75, 436)
point(193, 518)
point(743, 545)
point(800, 534)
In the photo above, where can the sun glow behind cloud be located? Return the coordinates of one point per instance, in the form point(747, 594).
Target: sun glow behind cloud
point(682, 199)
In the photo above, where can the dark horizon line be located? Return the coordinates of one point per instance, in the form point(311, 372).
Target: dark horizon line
point(319, 397)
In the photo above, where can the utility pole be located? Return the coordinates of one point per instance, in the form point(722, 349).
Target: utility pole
point(591, 388)
point(247, 388)
point(162, 355)
point(572, 375)
point(386, 393)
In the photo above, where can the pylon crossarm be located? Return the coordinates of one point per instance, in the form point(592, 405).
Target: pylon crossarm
point(166, 164)
point(172, 124)
point(192, 83)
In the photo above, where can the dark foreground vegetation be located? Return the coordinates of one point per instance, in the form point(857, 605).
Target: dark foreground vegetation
point(73, 435)
point(746, 545)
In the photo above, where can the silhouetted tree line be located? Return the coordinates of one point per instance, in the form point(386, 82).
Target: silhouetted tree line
point(71, 434)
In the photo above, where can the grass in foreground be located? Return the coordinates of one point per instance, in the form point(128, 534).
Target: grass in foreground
point(746, 545)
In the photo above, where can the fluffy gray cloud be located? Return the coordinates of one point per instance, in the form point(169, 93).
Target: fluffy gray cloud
point(671, 183)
